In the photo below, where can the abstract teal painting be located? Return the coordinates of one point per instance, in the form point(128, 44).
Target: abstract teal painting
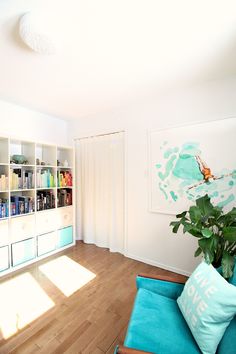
point(191, 161)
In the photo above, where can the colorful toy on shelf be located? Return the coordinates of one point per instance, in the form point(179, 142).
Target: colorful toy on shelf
point(19, 159)
point(64, 179)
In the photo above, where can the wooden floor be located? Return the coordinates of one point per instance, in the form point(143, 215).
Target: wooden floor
point(93, 319)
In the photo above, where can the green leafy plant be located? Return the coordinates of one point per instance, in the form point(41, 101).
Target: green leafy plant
point(215, 230)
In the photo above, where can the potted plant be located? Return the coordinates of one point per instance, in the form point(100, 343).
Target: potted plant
point(215, 230)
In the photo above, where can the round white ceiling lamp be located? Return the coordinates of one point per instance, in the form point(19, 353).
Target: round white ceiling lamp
point(36, 34)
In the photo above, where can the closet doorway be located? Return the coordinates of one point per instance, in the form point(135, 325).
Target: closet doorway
point(100, 185)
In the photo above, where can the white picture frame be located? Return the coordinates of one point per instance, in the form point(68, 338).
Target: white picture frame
point(190, 161)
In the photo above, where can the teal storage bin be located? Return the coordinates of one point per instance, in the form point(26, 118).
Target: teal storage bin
point(4, 258)
point(23, 251)
point(65, 236)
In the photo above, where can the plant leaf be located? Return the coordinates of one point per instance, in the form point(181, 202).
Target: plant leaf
point(227, 265)
point(206, 246)
point(215, 230)
point(181, 215)
point(195, 232)
point(215, 241)
point(195, 214)
point(217, 211)
point(206, 232)
point(229, 233)
point(204, 204)
point(176, 225)
point(232, 214)
point(198, 252)
point(191, 229)
point(187, 227)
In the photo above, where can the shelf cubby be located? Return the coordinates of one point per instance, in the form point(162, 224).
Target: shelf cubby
point(46, 243)
point(45, 199)
point(4, 258)
point(45, 177)
point(22, 202)
point(22, 177)
point(65, 236)
point(4, 178)
point(23, 251)
point(4, 154)
point(4, 205)
point(4, 232)
point(64, 197)
point(23, 148)
point(46, 155)
point(64, 157)
point(64, 177)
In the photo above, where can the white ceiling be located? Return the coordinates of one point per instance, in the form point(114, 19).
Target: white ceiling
point(112, 52)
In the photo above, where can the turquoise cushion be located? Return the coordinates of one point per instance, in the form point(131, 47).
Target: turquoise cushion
point(165, 288)
point(156, 325)
point(228, 342)
point(208, 304)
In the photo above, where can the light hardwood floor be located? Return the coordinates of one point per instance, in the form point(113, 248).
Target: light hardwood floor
point(94, 318)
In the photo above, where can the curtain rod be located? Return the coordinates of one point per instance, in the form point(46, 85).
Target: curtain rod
point(95, 136)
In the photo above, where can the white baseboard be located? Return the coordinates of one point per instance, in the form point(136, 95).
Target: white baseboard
point(157, 264)
point(144, 260)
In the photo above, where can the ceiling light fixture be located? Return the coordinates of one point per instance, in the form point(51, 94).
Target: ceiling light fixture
point(35, 34)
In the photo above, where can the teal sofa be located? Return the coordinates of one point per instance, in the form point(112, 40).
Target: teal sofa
point(157, 325)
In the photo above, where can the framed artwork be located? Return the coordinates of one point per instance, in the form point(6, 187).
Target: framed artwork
point(191, 161)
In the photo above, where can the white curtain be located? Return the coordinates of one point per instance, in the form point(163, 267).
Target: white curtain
point(101, 184)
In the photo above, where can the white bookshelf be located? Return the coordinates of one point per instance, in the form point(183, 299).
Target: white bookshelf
point(36, 201)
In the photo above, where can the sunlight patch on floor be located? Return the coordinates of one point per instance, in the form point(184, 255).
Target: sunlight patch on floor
point(67, 275)
point(22, 300)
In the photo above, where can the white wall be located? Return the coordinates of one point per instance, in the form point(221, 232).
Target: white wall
point(18, 121)
point(149, 237)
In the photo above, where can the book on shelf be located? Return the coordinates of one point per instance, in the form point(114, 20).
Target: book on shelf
point(21, 205)
point(45, 200)
point(64, 197)
point(14, 204)
point(24, 205)
point(27, 178)
point(13, 208)
point(4, 209)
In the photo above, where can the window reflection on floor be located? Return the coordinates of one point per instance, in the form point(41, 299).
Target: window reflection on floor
point(22, 300)
point(67, 275)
